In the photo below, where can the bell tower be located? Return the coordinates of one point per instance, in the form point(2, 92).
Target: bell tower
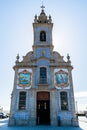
point(42, 27)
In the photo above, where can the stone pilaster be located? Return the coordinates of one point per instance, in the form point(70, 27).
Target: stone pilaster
point(32, 118)
point(13, 101)
point(53, 108)
point(74, 118)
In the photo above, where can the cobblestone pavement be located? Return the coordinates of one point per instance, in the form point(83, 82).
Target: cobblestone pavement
point(82, 126)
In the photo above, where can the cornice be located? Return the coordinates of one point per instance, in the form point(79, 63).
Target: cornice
point(42, 24)
point(24, 65)
point(43, 45)
point(62, 65)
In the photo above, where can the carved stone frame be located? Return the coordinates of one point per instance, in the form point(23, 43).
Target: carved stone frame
point(61, 84)
point(24, 72)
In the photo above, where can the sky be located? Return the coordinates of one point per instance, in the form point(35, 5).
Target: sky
point(69, 37)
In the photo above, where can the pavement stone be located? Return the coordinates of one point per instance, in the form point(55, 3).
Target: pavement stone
point(82, 126)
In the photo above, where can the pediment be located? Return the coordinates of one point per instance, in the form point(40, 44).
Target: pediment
point(28, 57)
point(58, 57)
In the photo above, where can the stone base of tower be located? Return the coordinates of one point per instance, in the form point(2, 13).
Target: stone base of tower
point(27, 122)
point(21, 122)
point(68, 122)
point(32, 122)
point(11, 122)
point(75, 122)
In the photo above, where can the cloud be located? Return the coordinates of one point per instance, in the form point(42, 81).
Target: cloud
point(80, 94)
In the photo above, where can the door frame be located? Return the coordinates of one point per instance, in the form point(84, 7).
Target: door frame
point(43, 96)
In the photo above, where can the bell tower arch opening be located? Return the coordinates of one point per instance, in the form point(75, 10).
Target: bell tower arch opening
point(43, 36)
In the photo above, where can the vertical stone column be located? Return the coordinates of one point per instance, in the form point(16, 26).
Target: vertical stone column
point(13, 101)
point(74, 118)
point(53, 108)
point(33, 77)
point(71, 93)
point(32, 121)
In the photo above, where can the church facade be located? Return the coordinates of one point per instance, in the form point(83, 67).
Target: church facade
point(43, 86)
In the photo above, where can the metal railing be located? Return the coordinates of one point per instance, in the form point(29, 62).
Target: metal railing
point(43, 81)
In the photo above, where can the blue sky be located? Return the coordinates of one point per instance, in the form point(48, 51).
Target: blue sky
point(69, 36)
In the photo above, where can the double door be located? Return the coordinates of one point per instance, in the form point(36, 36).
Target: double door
point(43, 110)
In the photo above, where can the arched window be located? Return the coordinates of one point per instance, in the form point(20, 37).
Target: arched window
point(42, 36)
point(64, 100)
point(43, 75)
point(22, 101)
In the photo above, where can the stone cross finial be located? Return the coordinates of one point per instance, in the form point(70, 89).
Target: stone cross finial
point(68, 57)
point(42, 6)
point(17, 57)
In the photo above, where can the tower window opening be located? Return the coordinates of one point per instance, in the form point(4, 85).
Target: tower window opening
point(22, 101)
point(64, 101)
point(42, 36)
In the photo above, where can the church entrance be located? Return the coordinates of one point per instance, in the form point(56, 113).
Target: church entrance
point(43, 108)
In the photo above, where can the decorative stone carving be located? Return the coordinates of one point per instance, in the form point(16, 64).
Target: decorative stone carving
point(28, 57)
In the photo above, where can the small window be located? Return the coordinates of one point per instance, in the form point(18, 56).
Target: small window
point(22, 101)
point(64, 101)
point(42, 36)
